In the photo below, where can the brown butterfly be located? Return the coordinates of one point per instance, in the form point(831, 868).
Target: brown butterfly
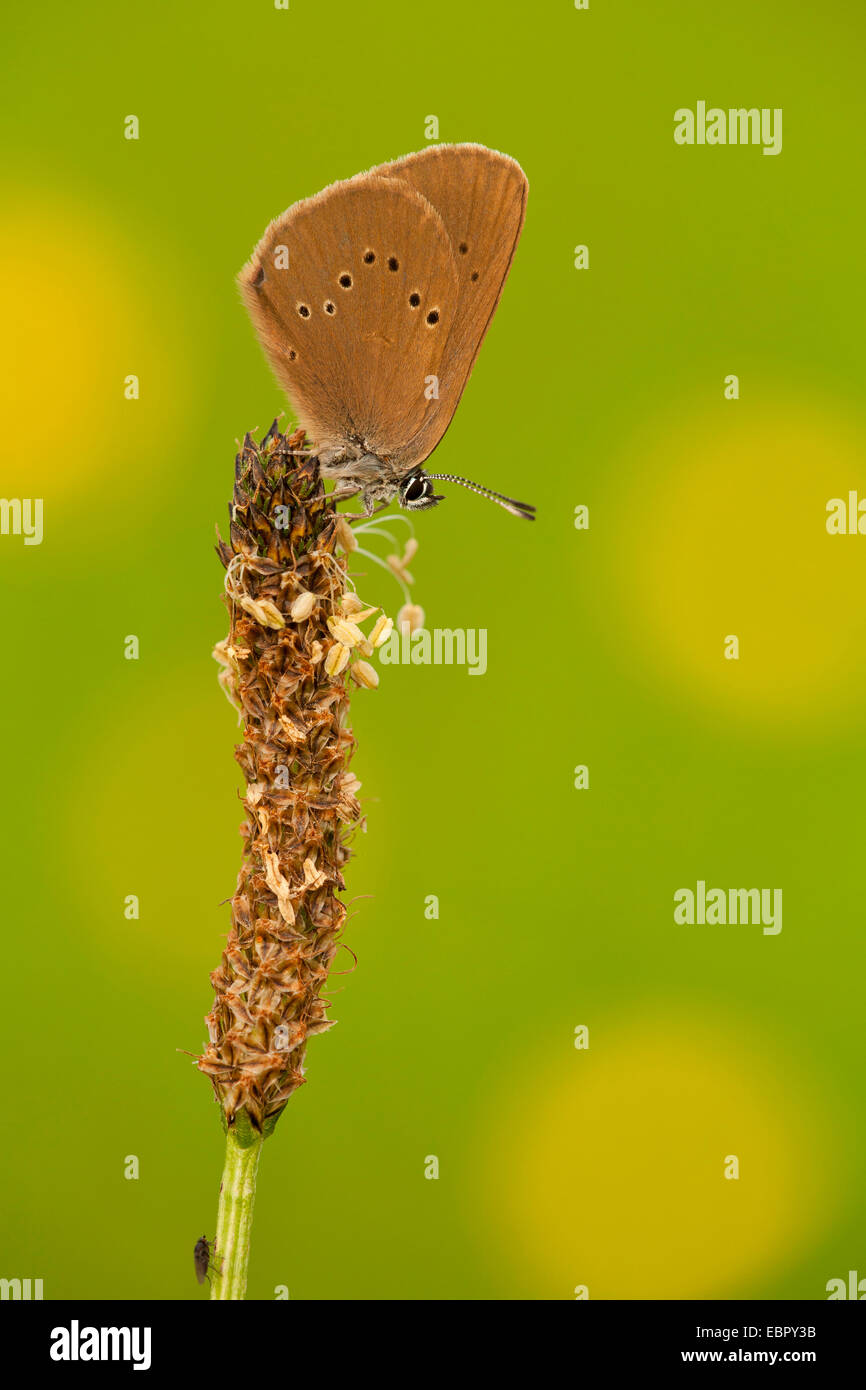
point(371, 301)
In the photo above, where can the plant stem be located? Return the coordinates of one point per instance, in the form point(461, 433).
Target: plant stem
point(235, 1216)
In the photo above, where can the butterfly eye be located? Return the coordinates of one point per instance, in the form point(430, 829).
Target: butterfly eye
point(417, 493)
point(416, 490)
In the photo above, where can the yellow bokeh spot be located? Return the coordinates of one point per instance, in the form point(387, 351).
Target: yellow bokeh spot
point(79, 319)
point(724, 535)
point(606, 1167)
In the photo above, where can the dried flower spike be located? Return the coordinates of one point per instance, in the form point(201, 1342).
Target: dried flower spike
point(365, 674)
point(337, 659)
point(302, 606)
point(399, 569)
point(300, 801)
point(411, 617)
point(381, 632)
point(344, 631)
point(345, 536)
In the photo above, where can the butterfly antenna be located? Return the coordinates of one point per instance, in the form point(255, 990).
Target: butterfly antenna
point(524, 509)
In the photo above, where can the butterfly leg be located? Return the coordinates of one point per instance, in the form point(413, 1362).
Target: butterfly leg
point(364, 516)
point(342, 494)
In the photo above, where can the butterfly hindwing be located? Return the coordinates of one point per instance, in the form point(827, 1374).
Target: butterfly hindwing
point(481, 197)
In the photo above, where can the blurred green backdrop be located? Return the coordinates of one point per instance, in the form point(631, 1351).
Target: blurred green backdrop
point(603, 387)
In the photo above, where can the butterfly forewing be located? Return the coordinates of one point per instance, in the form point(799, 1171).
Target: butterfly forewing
point(353, 295)
point(481, 197)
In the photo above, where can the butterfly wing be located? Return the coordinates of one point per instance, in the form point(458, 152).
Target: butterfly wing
point(353, 294)
point(480, 196)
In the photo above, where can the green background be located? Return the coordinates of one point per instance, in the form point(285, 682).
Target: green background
point(604, 387)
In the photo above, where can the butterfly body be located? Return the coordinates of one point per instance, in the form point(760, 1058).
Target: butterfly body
point(377, 480)
point(371, 301)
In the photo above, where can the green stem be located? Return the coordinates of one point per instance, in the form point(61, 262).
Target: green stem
point(235, 1216)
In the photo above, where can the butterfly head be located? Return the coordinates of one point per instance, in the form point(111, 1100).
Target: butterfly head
point(416, 492)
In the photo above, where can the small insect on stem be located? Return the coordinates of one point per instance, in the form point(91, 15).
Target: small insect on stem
point(203, 1257)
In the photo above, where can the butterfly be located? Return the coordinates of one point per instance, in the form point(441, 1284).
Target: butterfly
point(371, 301)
